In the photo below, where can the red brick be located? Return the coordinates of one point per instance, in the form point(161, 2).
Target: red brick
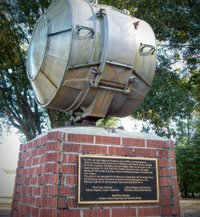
point(133, 142)
point(27, 155)
point(174, 181)
point(71, 203)
point(145, 152)
point(71, 148)
point(70, 158)
point(37, 142)
point(19, 180)
point(23, 189)
point(121, 151)
point(80, 138)
point(37, 190)
point(21, 155)
point(52, 167)
point(31, 200)
point(164, 172)
point(54, 136)
point(97, 213)
point(20, 172)
point(72, 180)
point(177, 210)
point(52, 157)
point(22, 147)
point(33, 153)
point(175, 191)
point(61, 203)
point(31, 171)
point(67, 191)
point(63, 179)
point(34, 211)
point(69, 213)
point(43, 159)
point(157, 144)
point(41, 150)
point(176, 200)
point(38, 170)
point(36, 161)
point(167, 211)
point(43, 139)
point(28, 162)
point(27, 146)
point(26, 180)
point(38, 201)
point(163, 153)
point(165, 201)
point(91, 149)
point(15, 213)
point(52, 146)
point(163, 163)
point(164, 181)
point(29, 190)
point(47, 213)
point(126, 212)
point(171, 144)
point(69, 169)
point(172, 154)
point(28, 199)
point(172, 163)
point(50, 190)
point(51, 179)
point(149, 212)
point(173, 172)
point(166, 191)
point(27, 209)
point(22, 163)
point(18, 197)
point(41, 180)
point(49, 202)
point(107, 140)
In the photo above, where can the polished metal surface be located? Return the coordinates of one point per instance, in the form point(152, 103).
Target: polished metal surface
point(91, 60)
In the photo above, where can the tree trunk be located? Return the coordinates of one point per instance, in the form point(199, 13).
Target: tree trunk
point(57, 118)
point(185, 190)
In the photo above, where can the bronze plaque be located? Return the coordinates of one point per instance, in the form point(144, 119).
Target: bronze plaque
point(104, 179)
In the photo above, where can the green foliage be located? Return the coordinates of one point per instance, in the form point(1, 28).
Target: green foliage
point(109, 122)
point(17, 104)
point(173, 105)
point(188, 157)
point(175, 93)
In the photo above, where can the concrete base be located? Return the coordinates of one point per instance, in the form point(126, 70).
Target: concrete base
point(47, 174)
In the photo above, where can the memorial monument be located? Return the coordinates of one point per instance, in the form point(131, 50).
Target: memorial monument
point(93, 61)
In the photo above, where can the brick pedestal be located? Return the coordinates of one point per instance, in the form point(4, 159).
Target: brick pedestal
point(47, 174)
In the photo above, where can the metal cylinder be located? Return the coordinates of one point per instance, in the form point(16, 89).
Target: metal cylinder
point(91, 59)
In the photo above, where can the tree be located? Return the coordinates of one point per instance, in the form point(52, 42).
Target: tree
point(188, 157)
point(17, 104)
point(175, 93)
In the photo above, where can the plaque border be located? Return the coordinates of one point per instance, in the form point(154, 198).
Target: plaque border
point(122, 201)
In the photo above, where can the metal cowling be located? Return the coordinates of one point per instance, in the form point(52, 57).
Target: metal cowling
point(91, 60)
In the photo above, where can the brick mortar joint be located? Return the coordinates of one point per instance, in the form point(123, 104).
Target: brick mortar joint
point(60, 172)
point(169, 158)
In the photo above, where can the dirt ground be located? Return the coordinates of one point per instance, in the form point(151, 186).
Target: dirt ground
point(190, 208)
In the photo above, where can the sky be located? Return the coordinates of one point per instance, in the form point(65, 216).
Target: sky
point(9, 151)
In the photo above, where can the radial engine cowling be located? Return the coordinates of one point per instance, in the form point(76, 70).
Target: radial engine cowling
point(91, 60)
